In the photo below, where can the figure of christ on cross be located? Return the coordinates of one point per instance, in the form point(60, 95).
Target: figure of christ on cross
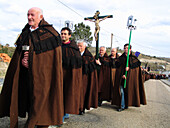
point(96, 19)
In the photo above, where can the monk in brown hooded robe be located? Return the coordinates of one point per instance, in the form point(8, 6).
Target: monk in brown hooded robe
point(134, 93)
point(33, 82)
point(113, 57)
point(90, 80)
point(72, 73)
point(104, 76)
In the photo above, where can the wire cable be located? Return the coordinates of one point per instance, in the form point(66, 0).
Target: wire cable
point(70, 8)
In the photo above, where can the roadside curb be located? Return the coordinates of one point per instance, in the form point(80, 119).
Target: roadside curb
point(166, 82)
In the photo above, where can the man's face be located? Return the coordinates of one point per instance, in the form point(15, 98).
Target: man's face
point(81, 47)
point(102, 51)
point(34, 18)
point(126, 50)
point(65, 35)
point(113, 52)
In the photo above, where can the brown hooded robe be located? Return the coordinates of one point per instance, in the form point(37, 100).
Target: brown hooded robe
point(90, 81)
point(113, 69)
point(104, 78)
point(37, 90)
point(72, 77)
point(134, 92)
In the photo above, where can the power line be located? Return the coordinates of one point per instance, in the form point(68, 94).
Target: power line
point(135, 42)
point(70, 8)
point(143, 45)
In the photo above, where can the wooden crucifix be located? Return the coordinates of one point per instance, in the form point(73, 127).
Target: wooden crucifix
point(97, 19)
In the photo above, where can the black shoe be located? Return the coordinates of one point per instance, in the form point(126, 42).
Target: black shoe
point(126, 107)
point(80, 112)
point(100, 103)
point(84, 111)
point(57, 126)
point(120, 109)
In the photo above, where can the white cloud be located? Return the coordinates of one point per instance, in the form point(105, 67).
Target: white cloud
point(2, 28)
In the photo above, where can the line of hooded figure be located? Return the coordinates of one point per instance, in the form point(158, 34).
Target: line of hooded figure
point(51, 76)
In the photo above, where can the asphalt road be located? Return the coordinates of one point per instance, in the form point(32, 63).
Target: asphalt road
point(156, 114)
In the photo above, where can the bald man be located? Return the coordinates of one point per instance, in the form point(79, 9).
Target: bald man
point(104, 76)
point(34, 80)
point(113, 53)
point(113, 56)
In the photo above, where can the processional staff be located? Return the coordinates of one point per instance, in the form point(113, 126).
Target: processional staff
point(131, 25)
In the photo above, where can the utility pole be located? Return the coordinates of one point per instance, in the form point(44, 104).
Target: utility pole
point(111, 42)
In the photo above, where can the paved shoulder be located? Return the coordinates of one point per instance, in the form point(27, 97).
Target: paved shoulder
point(153, 115)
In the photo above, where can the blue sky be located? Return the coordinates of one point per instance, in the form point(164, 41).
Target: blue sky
point(153, 21)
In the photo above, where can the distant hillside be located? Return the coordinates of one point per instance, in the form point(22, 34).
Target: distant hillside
point(7, 49)
point(155, 63)
point(163, 58)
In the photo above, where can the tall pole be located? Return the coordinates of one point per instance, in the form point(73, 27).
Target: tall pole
point(97, 46)
point(127, 62)
point(111, 41)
